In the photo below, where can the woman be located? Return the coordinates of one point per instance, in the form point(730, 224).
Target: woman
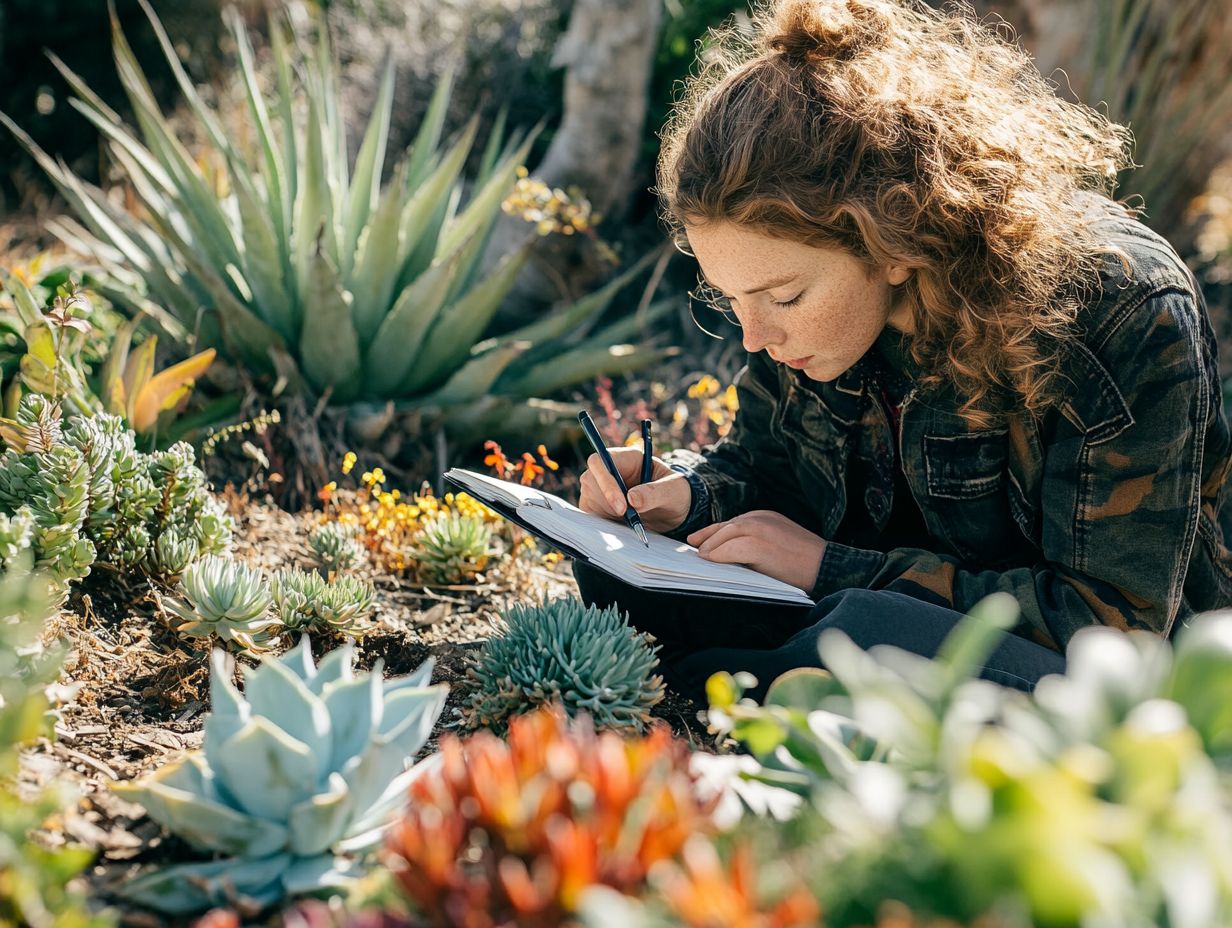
point(969, 370)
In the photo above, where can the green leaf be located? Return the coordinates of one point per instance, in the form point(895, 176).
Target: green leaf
point(804, 688)
point(366, 184)
point(475, 378)
point(400, 336)
point(581, 363)
point(329, 347)
point(449, 341)
point(428, 138)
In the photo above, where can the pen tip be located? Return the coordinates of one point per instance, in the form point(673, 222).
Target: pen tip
point(641, 533)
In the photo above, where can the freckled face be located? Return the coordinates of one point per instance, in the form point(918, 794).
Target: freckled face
point(818, 309)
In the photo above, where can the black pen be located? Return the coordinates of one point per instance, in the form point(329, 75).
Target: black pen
point(647, 452)
point(631, 516)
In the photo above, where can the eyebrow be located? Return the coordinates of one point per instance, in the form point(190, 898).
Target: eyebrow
point(768, 285)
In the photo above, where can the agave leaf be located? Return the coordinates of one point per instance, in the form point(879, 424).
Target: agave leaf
point(426, 210)
point(420, 677)
point(329, 346)
point(229, 711)
point(373, 275)
point(274, 691)
point(630, 326)
point(366, 182)
point(562, 321)
point(585, 362)
point(264, 264)
point(264, 768)
point(286, 95)
point(273, 173)
point(166, 388)
point(491, 151)
point(485, 204)
point(188, 888)
point(203, 215)
point(316, 824)
point(475, 378)
point(137, 373)
point(355, 709)
point(429, 135)
point(200, 820)
point(409, 714)
point(460, 324)
point(365, 832)
point(314, 216)
point(315, 874)
point(369, 774)
point(299, 661)
point(336, 667)
point(400, 335)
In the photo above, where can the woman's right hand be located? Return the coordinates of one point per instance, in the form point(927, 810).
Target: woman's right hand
point(662, 503)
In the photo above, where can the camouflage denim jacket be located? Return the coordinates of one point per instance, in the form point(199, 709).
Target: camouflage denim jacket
point(1110, 508)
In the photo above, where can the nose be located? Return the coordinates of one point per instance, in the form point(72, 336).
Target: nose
point(757, 335)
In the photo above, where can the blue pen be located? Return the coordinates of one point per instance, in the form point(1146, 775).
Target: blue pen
point(596, 440)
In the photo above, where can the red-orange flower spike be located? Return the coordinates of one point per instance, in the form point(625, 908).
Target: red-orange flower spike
point(550, 811)
point(496, 459)
point(529, 467)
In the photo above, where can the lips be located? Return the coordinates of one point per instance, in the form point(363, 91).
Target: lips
point(799, 363)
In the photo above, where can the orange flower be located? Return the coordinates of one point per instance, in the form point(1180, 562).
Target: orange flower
point(530, 470)
point(496, 459)
point(543, 453)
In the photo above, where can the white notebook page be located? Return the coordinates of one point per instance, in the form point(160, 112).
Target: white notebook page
point(667, 564)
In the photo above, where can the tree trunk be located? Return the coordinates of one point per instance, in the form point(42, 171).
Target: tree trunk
point(609, 52)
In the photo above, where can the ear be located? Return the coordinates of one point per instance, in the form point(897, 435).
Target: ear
point(896, 275)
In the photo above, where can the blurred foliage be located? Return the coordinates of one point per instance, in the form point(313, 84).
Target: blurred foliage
point(1104, 798)
point(33, 879)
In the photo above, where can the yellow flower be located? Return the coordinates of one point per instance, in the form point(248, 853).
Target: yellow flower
point(348, 462)
point(705, 387)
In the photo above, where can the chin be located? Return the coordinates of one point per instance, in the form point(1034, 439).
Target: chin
point(825, 371)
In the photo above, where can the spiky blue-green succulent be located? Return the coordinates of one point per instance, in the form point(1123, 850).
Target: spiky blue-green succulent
point(89, 495)
point(296, 778)
point(585, 658)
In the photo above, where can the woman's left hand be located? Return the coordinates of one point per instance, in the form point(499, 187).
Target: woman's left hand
point(768, 542)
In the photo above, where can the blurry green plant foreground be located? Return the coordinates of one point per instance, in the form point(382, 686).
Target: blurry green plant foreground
point(308, 271)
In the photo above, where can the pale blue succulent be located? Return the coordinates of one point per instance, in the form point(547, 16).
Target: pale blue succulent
point(297, 777)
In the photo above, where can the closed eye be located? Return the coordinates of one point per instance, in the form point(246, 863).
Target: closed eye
point(792, 302)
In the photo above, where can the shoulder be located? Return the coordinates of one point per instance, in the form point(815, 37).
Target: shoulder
point(1143, 328)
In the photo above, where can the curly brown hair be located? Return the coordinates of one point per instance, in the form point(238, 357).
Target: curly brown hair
point(914, 137)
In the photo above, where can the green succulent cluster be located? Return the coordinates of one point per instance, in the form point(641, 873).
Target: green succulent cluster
point(587, 659)
point(452, 547)
point(335, 546)
point(297, 778)
point(79, 492)
point(306, 601)
point(223, 598)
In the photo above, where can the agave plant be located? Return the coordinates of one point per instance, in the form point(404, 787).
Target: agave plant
point(335, 546)
point(310, 269)
point(306, 601)
point(227, 599)
point(295, 777)
point(587, 659)
point(452, 547)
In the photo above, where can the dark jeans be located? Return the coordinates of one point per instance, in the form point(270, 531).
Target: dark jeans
point(701, 635)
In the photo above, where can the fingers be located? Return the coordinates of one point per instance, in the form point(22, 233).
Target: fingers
point(595, 498)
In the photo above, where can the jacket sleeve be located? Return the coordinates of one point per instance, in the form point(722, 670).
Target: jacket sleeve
point(1120, 500)
point(740, 470)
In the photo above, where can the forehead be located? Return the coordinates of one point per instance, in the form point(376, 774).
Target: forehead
point(737, 258)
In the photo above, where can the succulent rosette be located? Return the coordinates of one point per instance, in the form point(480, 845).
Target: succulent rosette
point(298, 776)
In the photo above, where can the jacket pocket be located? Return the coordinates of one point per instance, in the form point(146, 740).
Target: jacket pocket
point(965, 466)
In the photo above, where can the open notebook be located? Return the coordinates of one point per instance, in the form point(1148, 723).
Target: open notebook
point(666, 566)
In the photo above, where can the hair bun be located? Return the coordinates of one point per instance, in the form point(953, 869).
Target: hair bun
point(801, 30)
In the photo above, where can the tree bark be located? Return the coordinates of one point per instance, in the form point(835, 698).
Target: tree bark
point(608, 49)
